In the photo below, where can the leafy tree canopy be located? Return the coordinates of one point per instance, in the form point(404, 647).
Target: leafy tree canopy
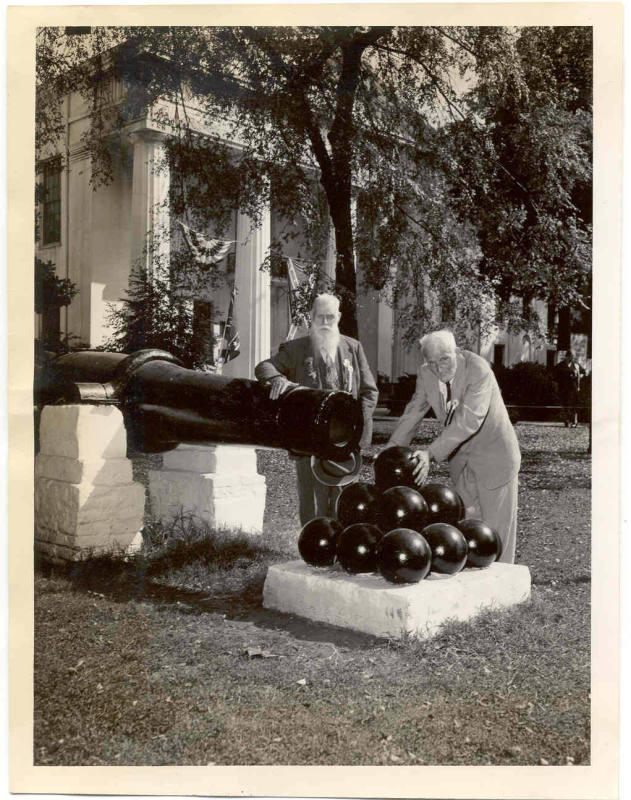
point(466, 150)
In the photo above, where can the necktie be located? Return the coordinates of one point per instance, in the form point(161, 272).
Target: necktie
point(450, 411)
point(331, 379)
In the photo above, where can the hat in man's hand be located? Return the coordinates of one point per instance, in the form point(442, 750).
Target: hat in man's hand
point(333, 472)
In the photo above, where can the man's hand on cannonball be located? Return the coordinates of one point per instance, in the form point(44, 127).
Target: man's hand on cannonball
point(278, 386)
point(421, 470)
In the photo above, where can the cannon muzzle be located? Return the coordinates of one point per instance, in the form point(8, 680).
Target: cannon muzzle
point(165, 404)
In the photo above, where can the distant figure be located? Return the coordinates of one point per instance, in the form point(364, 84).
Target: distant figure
point(567, 374)
point(477, 439)
point(323, 360)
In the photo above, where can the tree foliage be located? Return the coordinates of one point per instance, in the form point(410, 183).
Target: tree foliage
point(51, 292)
point(466, 150)
point(157, 312)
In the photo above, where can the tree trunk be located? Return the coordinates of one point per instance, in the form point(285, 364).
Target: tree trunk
point(345, 283)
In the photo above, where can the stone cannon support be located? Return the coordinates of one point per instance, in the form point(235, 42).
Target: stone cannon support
point(218, 485)
point(86, 501)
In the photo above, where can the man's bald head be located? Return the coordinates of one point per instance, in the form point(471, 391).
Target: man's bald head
point(327, 303)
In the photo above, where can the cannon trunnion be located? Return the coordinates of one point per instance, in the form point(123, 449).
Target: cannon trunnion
point(165, 404)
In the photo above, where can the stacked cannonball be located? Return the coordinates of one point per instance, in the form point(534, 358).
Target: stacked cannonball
point(401, 531)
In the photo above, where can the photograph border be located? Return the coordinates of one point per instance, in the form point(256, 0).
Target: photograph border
point(599, 780)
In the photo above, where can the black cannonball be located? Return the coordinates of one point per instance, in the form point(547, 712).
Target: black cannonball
point(443, 502)
point(404, 556)
point(358, 503)
point(357, 548)
point(448, 546)
point(401, 507)
point(483, 543)
point(317, 542)
point(394, 466)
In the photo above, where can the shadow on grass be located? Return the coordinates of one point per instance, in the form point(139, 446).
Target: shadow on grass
point(237, 563)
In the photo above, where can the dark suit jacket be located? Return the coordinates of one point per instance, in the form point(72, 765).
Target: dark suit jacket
point(298, 362)
point(480, 432)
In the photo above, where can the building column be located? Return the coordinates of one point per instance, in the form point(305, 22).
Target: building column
point(385, 335)
point(253, 300)
point(150, 217)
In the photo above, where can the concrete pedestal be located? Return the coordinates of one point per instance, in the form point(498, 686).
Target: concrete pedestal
point(218, 484)
point(368, 603)
point(85, 498)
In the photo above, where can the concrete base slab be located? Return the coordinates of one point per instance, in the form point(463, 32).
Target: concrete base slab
point(368, 603)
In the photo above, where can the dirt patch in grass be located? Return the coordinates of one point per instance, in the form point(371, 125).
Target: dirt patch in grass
point(171, 659)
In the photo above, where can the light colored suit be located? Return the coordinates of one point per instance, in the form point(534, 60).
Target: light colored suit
point(479, 441)
point(298, 362)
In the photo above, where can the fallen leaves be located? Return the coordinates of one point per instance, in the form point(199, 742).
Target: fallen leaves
point(258, 652)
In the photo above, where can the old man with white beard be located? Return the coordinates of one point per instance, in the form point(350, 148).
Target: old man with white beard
point(323, 360)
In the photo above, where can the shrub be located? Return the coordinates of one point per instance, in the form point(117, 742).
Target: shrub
point(527, 384)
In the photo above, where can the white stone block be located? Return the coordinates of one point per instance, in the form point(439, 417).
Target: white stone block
point(59, 553)
point(225, 459)
point(222, 501)
point(368, 603)
point(68, 506)
point(105, 471)
point(85, 432)
point(121, 531)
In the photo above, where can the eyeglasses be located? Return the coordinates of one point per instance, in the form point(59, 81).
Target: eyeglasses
point(445, 361)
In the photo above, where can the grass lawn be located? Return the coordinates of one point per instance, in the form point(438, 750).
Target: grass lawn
point(171, 659)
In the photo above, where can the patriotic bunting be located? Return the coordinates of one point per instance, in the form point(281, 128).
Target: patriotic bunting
point(206, 251)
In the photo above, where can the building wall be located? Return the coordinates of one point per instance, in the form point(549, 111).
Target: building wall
point(110, 223)
point(368, 326)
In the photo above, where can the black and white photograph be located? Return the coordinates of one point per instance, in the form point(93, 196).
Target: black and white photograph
point(313, 439)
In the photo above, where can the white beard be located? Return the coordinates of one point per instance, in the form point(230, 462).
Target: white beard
point(326, 340)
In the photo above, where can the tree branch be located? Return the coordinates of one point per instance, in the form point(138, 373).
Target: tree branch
point(453, 39)
point(464, 117)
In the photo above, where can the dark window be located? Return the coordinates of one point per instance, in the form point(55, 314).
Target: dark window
point(51, 204)
point(498, 355)
point(51, 329)
point(565, 329)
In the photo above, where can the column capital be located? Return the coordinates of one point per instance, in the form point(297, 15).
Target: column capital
point(144, 135)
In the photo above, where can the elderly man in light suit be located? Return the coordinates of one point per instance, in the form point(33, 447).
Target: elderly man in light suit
point(477, 438)
point(323, 360)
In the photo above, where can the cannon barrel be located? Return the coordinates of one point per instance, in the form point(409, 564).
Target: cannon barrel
point(165, 404)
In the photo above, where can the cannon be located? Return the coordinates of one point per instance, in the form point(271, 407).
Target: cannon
point(164, 404)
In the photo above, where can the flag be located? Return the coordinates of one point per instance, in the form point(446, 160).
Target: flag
point(205, 251)
point(230, 346)
point(297, 319)
point(292, 281)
